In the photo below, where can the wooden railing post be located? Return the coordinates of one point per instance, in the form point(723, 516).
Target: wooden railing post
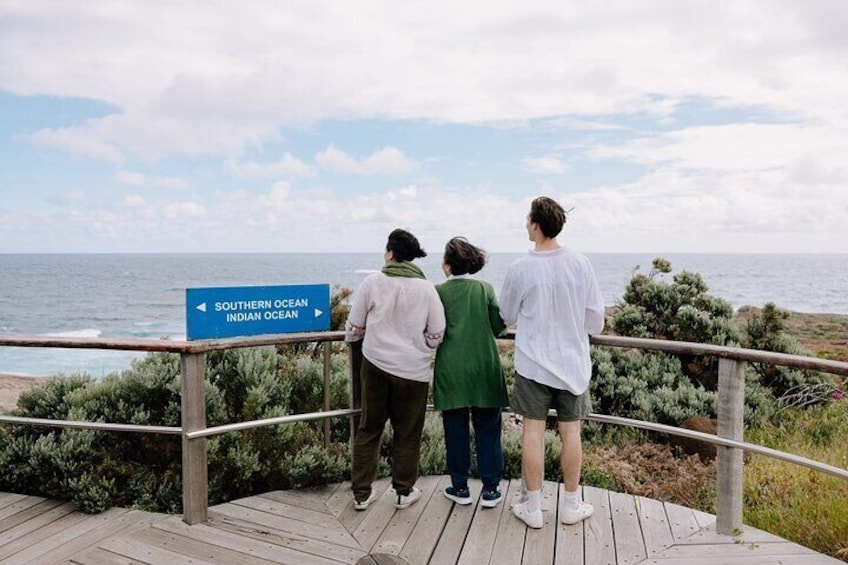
point(328, 350)
point(195, 471)
point(354, 349)
point(731, 408)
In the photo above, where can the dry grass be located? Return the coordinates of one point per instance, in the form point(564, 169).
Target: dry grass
point(651, 470)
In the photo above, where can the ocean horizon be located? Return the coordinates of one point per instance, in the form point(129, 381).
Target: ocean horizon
point(142, 295)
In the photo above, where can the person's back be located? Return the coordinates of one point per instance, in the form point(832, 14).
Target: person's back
point(468, 377)
point(554, 298)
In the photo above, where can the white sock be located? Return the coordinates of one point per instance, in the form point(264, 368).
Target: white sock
point(534, 500)
point(572, 500)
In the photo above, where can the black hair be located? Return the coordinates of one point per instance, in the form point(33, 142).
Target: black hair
point(462, 257)
point(404, 246)
point(549, 215)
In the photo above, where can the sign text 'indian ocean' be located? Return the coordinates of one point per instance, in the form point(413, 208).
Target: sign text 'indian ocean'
point(256, 310)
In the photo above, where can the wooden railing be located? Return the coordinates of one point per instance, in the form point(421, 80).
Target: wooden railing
point(193, 429)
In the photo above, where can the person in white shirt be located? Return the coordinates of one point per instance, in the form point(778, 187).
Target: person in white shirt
point(400, 318)
point(553, 296)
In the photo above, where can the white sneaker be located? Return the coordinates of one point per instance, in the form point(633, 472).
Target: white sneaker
point(572, 516)
point(533, 519)
point(357, 505)
point(404, 500)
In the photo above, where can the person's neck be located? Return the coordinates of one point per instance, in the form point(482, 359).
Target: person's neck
point(546, 244)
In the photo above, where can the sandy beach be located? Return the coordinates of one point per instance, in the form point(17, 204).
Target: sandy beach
point(11, 387)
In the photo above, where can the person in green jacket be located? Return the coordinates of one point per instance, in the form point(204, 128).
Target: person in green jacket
point(468, 377)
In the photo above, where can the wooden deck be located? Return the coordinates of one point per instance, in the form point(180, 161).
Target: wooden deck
point(320, 526)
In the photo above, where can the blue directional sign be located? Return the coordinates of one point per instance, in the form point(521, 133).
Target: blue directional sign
point(256, 310)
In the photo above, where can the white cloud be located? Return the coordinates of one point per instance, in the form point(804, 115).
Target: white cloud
point(216, 81)
point(548, 165)
point(287, 166)
point(136, 178)
point(385, 161)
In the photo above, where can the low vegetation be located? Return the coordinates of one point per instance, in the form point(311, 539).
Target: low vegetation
point(800, 412)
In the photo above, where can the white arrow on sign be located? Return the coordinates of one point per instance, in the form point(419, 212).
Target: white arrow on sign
point(318, 312)
point(202, 307)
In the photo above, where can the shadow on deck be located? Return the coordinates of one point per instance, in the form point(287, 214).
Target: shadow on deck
point(320, 526)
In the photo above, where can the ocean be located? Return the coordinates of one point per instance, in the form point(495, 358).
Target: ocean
point(143, 295)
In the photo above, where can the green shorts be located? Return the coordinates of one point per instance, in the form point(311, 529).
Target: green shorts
point(533, 400)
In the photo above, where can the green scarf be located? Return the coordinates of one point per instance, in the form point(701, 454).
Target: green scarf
point(402, 269)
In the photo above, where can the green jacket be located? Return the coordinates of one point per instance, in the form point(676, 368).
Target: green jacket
point(468, 368)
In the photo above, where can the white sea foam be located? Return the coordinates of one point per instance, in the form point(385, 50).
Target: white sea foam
point(80, 334)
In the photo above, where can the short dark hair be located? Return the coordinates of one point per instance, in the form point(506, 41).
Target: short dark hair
point(404, 246)
point(462, 257)
point(549, 215)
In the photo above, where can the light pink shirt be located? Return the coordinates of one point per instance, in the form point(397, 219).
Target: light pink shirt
point(401, 321)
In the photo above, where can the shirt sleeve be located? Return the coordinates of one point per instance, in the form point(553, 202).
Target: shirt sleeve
point(434, 333)
point(595, 311)
point(510, 301)
point(495, 321)
point(355, 325)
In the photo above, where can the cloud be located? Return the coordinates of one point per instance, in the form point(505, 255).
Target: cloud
point(548, 165)
point(385, 161)
point(287, 166)
point(217, 81)
point(135, 178)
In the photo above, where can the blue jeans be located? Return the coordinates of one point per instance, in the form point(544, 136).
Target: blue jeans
point(487, 436)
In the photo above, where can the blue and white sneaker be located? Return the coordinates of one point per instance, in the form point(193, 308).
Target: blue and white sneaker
point(459, 495)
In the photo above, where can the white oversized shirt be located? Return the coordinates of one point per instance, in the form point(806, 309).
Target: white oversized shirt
point(555, 299)
point(401, 321)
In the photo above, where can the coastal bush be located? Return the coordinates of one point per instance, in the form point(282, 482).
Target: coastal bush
point(765, 330)
point(668, 389)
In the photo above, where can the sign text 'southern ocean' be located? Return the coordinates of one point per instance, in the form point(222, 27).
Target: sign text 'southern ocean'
point(256, 310)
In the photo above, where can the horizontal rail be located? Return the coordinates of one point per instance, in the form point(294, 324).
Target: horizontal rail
point(710, 438)
point(709, 350)
point(101, 426)
point(204, 346)
point(166, 345)
point(218, 430)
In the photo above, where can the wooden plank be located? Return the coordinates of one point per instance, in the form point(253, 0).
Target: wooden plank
point(351, 518)
point(570, 541)
point(735, 550)
point(422, 540)
point(337, 536)
point(317, 500)
point(26, 510)
point(810, 559)
point(341, 553)
point(399, 528)
point(509, 544)
point(655, 526)
point(7, 498)
point(265, 504)
point(599, 542)
point(89, 533)
point(98, 556)
point(704, 519)
point(36, 522)
point(220, 546)
point(481, 531)
point(140, 551)
point(539, 545)
point(627, 532)
point(452, 540)
point(748, 535)
point(31, 538)
point(682, 521)
point(375, 519)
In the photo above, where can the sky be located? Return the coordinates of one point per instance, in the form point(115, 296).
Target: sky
point(302, 126)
